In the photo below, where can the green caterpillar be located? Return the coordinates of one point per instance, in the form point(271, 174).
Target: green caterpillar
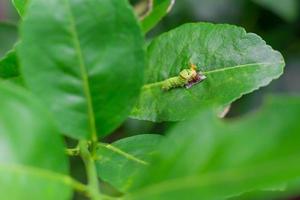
point(187, 78)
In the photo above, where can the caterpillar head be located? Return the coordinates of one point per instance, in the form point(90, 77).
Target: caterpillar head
point(189, 74)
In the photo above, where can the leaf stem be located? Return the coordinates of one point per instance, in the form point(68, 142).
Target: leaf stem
point(93, 183)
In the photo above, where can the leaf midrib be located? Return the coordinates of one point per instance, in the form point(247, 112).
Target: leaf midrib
point(83, 71)
point(159, 83)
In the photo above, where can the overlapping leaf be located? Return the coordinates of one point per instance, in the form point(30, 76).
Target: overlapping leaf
point(120, 162)
point(235, 63)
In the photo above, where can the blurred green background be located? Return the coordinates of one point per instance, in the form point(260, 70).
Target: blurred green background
point(276, 21)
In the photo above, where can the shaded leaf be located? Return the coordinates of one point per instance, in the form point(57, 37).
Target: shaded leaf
point(234, 62)
point(120, 162)
point(89, 68)
point(32, 159)
point(205, 155)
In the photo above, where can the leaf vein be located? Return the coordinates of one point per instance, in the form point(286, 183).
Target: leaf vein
point(83, 70)
point(159, 83)
point(123, 153)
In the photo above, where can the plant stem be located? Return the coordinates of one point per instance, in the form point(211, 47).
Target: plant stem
point(93, 183)
point(78, 186)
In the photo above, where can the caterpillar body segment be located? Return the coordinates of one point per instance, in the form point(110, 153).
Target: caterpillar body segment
point(173, 82)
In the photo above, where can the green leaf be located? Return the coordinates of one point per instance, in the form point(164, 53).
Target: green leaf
point(33, 164)
point(8, 37)
point(120, 162)
point(20, 6)
point(89, 68)
point(9, 69)
point(235, 63)
point(287, 9)
point(159, 8)
point(207, 158)
point(9, 66)
point(8, 62)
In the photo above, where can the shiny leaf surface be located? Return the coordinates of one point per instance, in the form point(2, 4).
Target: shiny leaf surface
point(89, 68)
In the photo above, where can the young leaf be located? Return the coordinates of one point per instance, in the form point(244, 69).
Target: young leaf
point(89, 68)
point(20, 6)
point(206, 158)
point(234, 62)
point(120, 162)
point(33, 164)
point(158, 9)
point(8, 37)
point(287, 9)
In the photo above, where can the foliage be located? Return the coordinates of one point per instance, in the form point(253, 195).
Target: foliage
point(234, 61)
point(89, 74)
point(260, 156)
point(76, 73)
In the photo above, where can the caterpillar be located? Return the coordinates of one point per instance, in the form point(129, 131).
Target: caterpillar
point(187, 78)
